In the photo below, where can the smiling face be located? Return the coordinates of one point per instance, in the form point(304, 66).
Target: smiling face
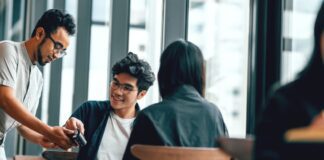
point(124, 95)
point(52, 45)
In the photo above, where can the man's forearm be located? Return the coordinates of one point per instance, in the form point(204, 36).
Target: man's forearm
point(13, 107)
point(29, 134)
point(17, 110)
point(35, 137)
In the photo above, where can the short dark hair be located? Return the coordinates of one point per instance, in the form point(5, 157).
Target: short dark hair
point(137, 68)
point(52, 19)
point(181, 63)
point(315, 64)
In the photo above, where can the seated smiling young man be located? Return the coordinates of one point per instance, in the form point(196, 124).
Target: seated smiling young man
point(107, 124)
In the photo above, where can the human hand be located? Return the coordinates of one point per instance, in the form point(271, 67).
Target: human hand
point(44, 142)
point(60, 136)
point(318, 121)
point(74, 124)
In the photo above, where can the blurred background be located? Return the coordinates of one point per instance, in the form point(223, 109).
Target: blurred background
point(248, 46)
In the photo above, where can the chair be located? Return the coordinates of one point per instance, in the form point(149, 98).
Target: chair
point(59, 155)
point(149, 152)
point(21, 157)
point(238, 148)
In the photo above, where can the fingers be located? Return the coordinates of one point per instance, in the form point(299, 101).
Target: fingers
point(60, 134)
point(49, 145)
point(68, 131)
point(71, 123)
point(60, 137)
point(318, 121)
point(74, 124)
point(44, 142)
point(80, 127)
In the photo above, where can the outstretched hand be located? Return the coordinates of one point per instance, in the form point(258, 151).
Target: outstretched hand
point(318, 121)
point(74, 124)
point(60, 136)
point(44, 142)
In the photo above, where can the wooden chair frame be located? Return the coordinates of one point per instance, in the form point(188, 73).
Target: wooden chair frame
point(150, 152)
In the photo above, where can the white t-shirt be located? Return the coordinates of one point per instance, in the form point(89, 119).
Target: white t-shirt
point(115, 138)
point(18, 72)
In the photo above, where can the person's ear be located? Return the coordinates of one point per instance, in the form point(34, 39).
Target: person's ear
point(40, 33)
point(141, 94)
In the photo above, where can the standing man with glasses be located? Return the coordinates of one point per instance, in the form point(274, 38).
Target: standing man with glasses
point(107, 124)
point(21, 81)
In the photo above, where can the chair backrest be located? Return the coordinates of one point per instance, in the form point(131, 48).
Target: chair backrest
point(238, 148)
point(59, 155)
point(149, 152)
point(21, 157)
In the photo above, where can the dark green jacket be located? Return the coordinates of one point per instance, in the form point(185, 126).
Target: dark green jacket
point(182, 119)
point(94, 115)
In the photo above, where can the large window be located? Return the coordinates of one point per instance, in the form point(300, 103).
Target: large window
point(68, 68)
point(220, 29)
point(298, 29)
point(145, 38)
point(98, 75)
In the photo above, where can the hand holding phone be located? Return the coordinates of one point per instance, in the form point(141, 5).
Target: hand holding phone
point(79, 139)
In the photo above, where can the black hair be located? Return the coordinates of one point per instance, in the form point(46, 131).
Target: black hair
point(315, 64)
point(137, 68)
point(181, 63)
point(52, 19)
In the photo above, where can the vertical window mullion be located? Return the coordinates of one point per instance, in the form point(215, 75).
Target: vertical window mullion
point(82, 61)
point(175, 20)
point(118, 43)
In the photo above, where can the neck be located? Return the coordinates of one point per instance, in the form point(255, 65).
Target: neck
point(126, 113)
point(31, 48)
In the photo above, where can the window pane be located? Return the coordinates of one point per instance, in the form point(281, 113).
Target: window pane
point(68, 68)
point(145, 38)
point(222, 37)
point(101, 9)
point(98, 83)
point(298, 28)
point(98, 75)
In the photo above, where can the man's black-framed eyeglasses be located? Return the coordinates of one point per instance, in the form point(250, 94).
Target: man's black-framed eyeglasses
point(125, 88)
point(58, 47)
